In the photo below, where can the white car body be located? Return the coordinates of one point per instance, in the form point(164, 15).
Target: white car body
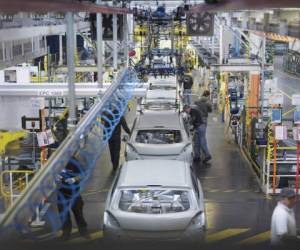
point(160, 135)
point(156, 200)
point(168, 83)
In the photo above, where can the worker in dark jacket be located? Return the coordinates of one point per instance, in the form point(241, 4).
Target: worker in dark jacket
point(69, 198)
point(187, 83)
point(197, 122)
point(205, 107)
point(115, 142)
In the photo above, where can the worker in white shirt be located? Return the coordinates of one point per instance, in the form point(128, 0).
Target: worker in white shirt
point(283, 223)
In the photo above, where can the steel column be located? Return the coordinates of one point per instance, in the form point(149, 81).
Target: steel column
point(221, 44)
point(263, 62)
point(3, 51)
point(213, 44)
point(60, 50)
point(126, 50)
point(99, 48)
point(115, 42)
point(172, 35)
point(71, 68)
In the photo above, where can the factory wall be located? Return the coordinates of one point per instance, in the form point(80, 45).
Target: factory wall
point(13, 108)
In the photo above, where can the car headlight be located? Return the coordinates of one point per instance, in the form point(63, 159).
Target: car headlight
point(131, 153)
point(110, 221)
point(197, 222)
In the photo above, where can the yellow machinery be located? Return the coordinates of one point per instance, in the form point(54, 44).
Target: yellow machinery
point(139, 32)
point(9, 136)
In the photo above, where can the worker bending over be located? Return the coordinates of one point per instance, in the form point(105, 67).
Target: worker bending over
point(205, 107)
point(199, 145)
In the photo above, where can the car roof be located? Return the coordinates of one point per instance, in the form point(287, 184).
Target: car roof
point(141, 173)
point(170, 81)
point(163, 94)
point(164, 119)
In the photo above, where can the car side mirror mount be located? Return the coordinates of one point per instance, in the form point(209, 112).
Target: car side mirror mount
point(125, 138)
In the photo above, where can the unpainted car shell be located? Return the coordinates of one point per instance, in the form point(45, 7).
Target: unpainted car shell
point(161, 227)
point(160, 120)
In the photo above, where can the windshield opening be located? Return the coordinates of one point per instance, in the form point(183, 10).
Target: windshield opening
point(162, 87)
point(159, 106)
point(154, 201)
point(158, 136)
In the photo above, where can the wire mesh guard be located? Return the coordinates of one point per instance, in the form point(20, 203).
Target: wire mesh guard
point(82, 148)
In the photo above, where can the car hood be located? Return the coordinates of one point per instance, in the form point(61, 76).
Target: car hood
point(159, 149)
point(154, 222)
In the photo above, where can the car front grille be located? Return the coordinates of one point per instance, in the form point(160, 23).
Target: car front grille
point(151, 235)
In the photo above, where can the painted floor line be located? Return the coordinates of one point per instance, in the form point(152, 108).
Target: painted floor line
point(54, 235)
point(93, 236)
point(288, 96)
point(229, 191)
point(289, 111)
point(287, 74)
point(95, 192)
point(225, 234)
point(256, 239)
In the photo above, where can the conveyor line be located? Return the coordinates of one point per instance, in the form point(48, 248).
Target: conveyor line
point(87, 141)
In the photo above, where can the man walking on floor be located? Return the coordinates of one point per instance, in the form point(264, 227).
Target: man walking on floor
point(205, 107)
point(283, 223)
point(197, 123)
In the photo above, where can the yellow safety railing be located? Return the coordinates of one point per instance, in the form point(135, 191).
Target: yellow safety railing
point(270, 144)
point(13, 183)
point(272, 179)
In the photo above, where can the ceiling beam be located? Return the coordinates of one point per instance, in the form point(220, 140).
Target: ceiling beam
point(238, 5)
point(58, 6)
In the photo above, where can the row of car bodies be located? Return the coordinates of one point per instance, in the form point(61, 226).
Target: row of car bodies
point(156, 195)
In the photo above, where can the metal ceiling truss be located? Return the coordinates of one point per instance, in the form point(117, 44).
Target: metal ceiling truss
point(58, 6)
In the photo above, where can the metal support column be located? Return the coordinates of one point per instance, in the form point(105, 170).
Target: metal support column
point(172, 35)
point(126, 51)
point(99, 48)
point(32, 44)
point(60, 62)
point(71, 69)
point(3, 51)
point(213, 44)
point(115, 42)
point(22, 47)
point(263, 61)
point(221, 44)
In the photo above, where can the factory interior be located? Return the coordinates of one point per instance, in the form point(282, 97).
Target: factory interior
point(134, 124)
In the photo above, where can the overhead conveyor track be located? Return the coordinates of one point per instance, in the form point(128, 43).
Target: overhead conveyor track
point(59, 6)
point(87, 141)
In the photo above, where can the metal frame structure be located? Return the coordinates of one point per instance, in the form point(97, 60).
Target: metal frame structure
point(58, 6)
point(49, 90)
point(88, 140)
